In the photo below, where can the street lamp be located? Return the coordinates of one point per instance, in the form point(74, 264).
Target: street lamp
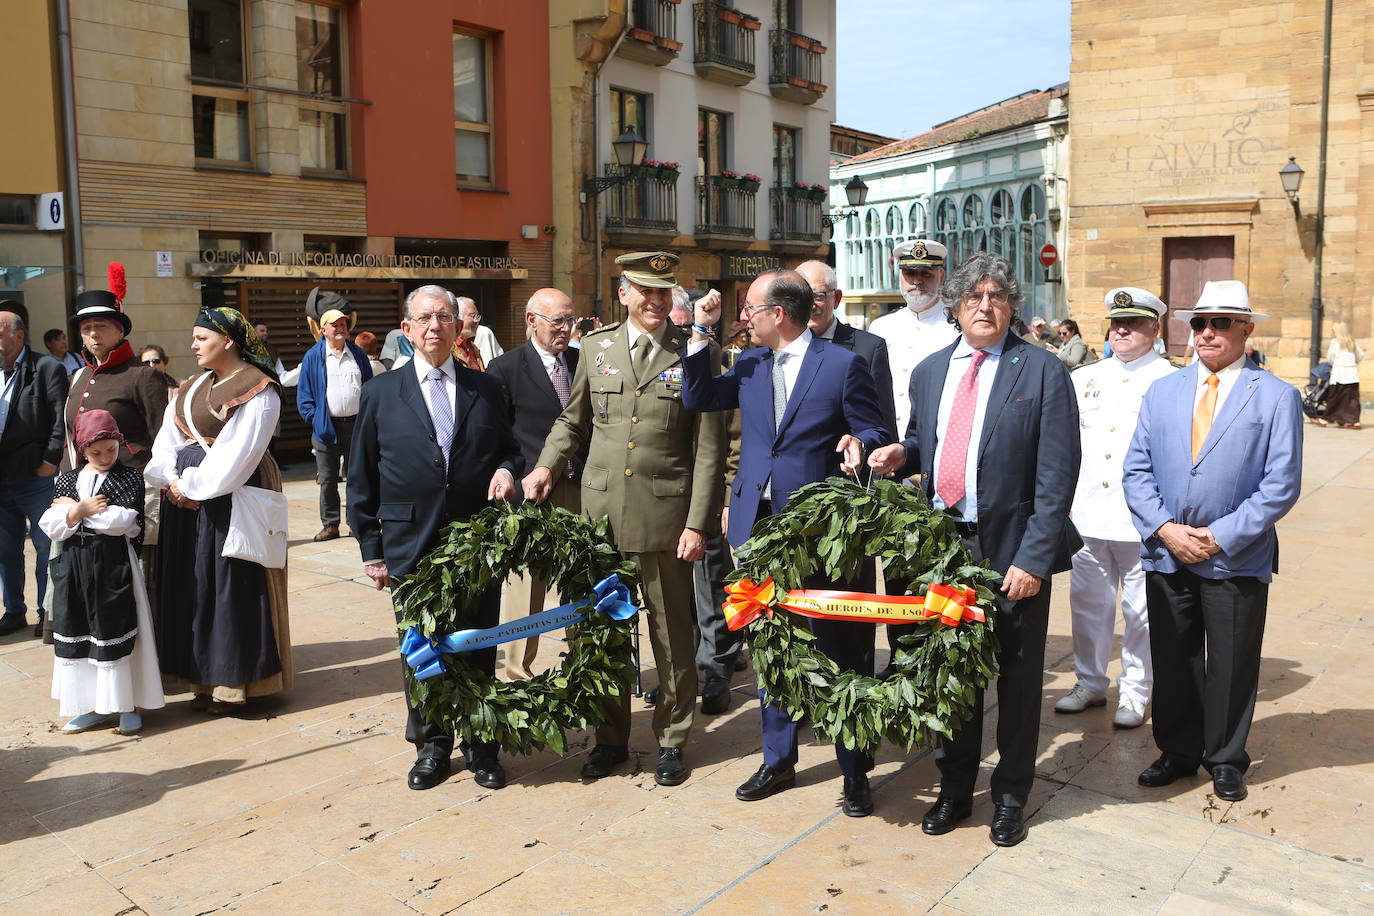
point(856, 192)
point(629, 149)
point(1291, 177)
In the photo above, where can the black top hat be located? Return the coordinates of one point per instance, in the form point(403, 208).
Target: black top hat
point(99, 303)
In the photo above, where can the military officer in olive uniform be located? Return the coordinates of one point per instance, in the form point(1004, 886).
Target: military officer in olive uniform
point(655, 470)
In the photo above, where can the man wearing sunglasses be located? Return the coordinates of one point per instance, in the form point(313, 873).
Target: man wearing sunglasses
point(1109, 393)
point(1216, 461)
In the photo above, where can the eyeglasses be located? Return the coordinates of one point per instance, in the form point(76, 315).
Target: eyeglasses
point(154, 362)
point(557, 322)
point(821, 295)
point(750, 307)
point(1064, 333)
point(1218, 322)
point(996, 296)
point(432, 318)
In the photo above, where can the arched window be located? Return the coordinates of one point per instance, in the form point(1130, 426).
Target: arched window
point(1001, 210)
point(871, 223)
point(946, 215)
point(973, 211)
point(916, 220)
point(894, 222)
point(1033, 203)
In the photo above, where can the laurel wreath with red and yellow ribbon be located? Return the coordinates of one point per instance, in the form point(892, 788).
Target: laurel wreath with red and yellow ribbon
point(829, 530)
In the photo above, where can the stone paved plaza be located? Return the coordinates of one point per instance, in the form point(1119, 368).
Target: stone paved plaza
point(303, 807)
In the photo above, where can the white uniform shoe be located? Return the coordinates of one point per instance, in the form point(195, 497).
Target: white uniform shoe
point(1129, 714)
point(1079, 699)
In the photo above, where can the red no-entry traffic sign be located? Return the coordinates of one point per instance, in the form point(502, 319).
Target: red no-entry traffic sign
point(1048, 255)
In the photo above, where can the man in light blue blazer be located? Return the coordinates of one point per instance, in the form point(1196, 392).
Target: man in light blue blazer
point(1216, 461)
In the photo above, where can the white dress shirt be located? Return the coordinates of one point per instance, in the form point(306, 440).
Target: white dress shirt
point(232, 457)
point(343, 385)
point(966, 508)
point(911, 337)
point(1109, 393)
point(421, 367)
point(548, 359)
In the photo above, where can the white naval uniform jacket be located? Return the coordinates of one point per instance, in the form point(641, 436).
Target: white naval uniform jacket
point(910, 339)
point(1109, 393)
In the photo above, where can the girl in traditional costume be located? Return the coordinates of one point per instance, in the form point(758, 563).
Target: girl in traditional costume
point(222, 623)
point(106, 661)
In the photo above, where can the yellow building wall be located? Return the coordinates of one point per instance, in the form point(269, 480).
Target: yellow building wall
point(29, 155)
point(1183, 112)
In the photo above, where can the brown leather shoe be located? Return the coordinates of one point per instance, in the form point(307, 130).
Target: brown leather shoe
point(328, 533)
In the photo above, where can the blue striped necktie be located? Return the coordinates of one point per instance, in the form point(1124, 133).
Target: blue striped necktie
point(441, 412)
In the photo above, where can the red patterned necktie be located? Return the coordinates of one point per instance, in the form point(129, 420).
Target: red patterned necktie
point(950, 483)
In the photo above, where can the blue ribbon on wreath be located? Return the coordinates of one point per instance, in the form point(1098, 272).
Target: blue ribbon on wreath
point(610, 597)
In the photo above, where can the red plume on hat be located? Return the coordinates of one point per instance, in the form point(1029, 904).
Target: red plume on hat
point(118, 284)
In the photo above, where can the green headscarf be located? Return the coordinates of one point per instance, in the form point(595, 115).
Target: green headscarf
point(232, 324)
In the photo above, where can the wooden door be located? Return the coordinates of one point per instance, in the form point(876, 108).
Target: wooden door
point(1188, 264)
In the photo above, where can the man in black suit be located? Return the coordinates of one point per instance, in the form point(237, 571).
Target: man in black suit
point(994, 434)
point(537, 377)
point(32, 394)
point(432, 443)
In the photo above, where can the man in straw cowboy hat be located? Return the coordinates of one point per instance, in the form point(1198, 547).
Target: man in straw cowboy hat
point(1215, 463)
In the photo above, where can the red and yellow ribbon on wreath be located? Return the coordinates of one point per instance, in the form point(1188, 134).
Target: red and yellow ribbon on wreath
point(746, 601)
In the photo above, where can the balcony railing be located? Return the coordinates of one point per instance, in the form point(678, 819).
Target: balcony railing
point(796, 71)
point(724, 44)
point(795, 218)
point(725, 208)
point(645, 203)
point(651, 35)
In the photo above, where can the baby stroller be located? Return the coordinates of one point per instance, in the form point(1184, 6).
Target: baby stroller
point(1314, 395)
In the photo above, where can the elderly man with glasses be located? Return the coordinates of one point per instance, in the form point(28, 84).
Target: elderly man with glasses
point(994, 433)
point(1215, 463)
point(537, 378)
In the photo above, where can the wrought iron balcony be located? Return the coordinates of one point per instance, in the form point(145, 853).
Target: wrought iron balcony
point(651, 36)
point(644, 207)
point(796, 71)
point(724, 44)
point(725, 209)
point(796, 218)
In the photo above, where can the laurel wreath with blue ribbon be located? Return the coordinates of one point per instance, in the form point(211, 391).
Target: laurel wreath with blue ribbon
point(440, 598)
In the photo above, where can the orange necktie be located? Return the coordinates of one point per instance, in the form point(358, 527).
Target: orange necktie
point(1202, 416)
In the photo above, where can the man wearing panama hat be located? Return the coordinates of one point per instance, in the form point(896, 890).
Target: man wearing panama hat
point(1216, 461)
point(1109, 393)
point(328, 394)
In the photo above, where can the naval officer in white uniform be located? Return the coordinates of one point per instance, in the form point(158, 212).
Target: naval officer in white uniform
point(915, 332)
point(1109, 393)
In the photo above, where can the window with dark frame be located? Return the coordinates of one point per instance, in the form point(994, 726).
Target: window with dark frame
point(219, 101)
point(630, 109)
point(16, 210)
point(784, 156)
point(320, 70)
point(713, 137)
point(472, 129)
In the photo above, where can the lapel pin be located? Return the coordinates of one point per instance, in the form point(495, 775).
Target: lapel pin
point(1015, 360)
point(600, 359)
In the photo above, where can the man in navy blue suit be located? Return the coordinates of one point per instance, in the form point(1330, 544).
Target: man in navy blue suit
point(804, 403)
point(994, 434)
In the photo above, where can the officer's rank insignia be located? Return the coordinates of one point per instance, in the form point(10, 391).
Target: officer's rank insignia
point(1122, 299)
point(659, 263)
point(918, 250)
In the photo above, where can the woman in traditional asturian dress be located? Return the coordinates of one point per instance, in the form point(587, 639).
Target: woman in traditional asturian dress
point(222, 622)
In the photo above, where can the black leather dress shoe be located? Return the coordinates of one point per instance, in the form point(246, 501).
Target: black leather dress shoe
point(856, 801)
point(38, 628)
point(603, 760)
point(428, 772)
point(672, 769)
point(715, 698)
point(765, 782)
point(945, 814)
point(1164, 771)
point(488, 773)
point(11, 623)
point(651, 696)
point(1008, 826)
point(1228, 782)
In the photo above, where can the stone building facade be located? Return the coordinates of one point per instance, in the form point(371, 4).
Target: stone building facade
point(1184, 112)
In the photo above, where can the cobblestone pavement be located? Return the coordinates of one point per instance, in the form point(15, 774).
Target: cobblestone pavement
point(303, 806)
